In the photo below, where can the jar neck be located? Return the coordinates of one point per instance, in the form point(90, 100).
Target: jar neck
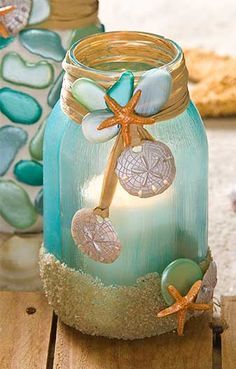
point(104, 57)
point(108, 55)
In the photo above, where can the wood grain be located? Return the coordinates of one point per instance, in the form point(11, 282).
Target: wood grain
point(193, 351)
point(228, 337)
point(24, 336)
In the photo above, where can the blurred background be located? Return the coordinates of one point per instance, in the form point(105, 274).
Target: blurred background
point(206, 25)
point(202, 23)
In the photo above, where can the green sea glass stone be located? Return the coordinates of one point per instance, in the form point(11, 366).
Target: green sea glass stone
point(29, 172)
point(122, 90)
point(86, 31)
point(55, 92)
point(19, 107)
point(15, 205)
point(16, 70)
point(38, 202)
point(36, 144)
point(43, 42)
point(11, 141)
point(89, 94)
point(182, 274)
point(4, 42)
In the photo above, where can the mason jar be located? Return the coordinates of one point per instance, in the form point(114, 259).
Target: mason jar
point(118, 296)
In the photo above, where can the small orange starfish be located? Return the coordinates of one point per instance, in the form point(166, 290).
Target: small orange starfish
point(3, 11)
point(125, 115)
point(183, 304)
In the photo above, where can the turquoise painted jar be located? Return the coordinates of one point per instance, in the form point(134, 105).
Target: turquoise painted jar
point(152, 230)
point(33, 45)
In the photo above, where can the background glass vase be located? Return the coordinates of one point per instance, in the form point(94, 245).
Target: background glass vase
point(155, 231)
point(31, 79)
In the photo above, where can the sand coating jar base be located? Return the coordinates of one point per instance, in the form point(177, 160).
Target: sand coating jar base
point(126, 312)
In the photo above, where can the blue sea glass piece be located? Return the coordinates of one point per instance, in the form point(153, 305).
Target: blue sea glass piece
point(19, 107)
point(16, 70)
point(15, 205)
point(11, 141)
point(155, 85)
point(4, 42)
point(54, 93)
point(38, 202)
point(89, 94)
point(39, 12)
point(29, 172)
point(36, 144)
point(182, 274)
point(90, 124)
point(43, 42)
point(122, 90)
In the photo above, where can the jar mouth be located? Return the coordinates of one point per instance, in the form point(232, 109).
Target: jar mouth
point(114, 52)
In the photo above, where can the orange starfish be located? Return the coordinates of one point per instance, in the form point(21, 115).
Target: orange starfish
point(183, 304)
point(125, 115)
point(3, 11)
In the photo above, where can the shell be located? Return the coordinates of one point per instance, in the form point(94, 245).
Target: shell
point(146, 170)
point(209, 281)
point(95, 236)
point(18, 18)
point(156, 85)
point(90, 123)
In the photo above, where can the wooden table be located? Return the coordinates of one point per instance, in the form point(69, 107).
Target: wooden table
point(31, 337)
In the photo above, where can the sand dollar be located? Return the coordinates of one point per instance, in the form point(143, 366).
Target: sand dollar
point(146, 170)
point(95, 236)
point(18, 18)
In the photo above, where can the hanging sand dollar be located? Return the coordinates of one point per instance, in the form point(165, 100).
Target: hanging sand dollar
point(17, 19)
point(95, 236)
point(146, 170)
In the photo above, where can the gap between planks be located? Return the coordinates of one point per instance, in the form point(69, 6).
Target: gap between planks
point(38, 341)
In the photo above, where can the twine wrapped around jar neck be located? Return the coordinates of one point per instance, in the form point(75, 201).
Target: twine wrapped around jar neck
point(71, 14)
point(94, 56)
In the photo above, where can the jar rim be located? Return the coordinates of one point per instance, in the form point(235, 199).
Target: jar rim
point(165, 45)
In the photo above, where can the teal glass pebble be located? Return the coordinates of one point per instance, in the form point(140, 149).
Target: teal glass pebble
point(36, 144)
point(122, 90)
point(11, 141)
point(43, 42)
point(55, 91)
point(26, 108)
point(29, 172)
point(182, 274)
point(4, 42)
point(38, 202)
point(15, 205)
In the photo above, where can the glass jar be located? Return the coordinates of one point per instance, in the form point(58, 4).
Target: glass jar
point(31, 80)
point(153, 231)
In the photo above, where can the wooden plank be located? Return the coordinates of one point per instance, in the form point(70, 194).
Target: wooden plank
point(228, 337)
point(25, 326)
point(193, 351)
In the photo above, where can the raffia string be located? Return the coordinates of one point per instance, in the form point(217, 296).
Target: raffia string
point(71, 14)
point(107, 47)
point(92, 58)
